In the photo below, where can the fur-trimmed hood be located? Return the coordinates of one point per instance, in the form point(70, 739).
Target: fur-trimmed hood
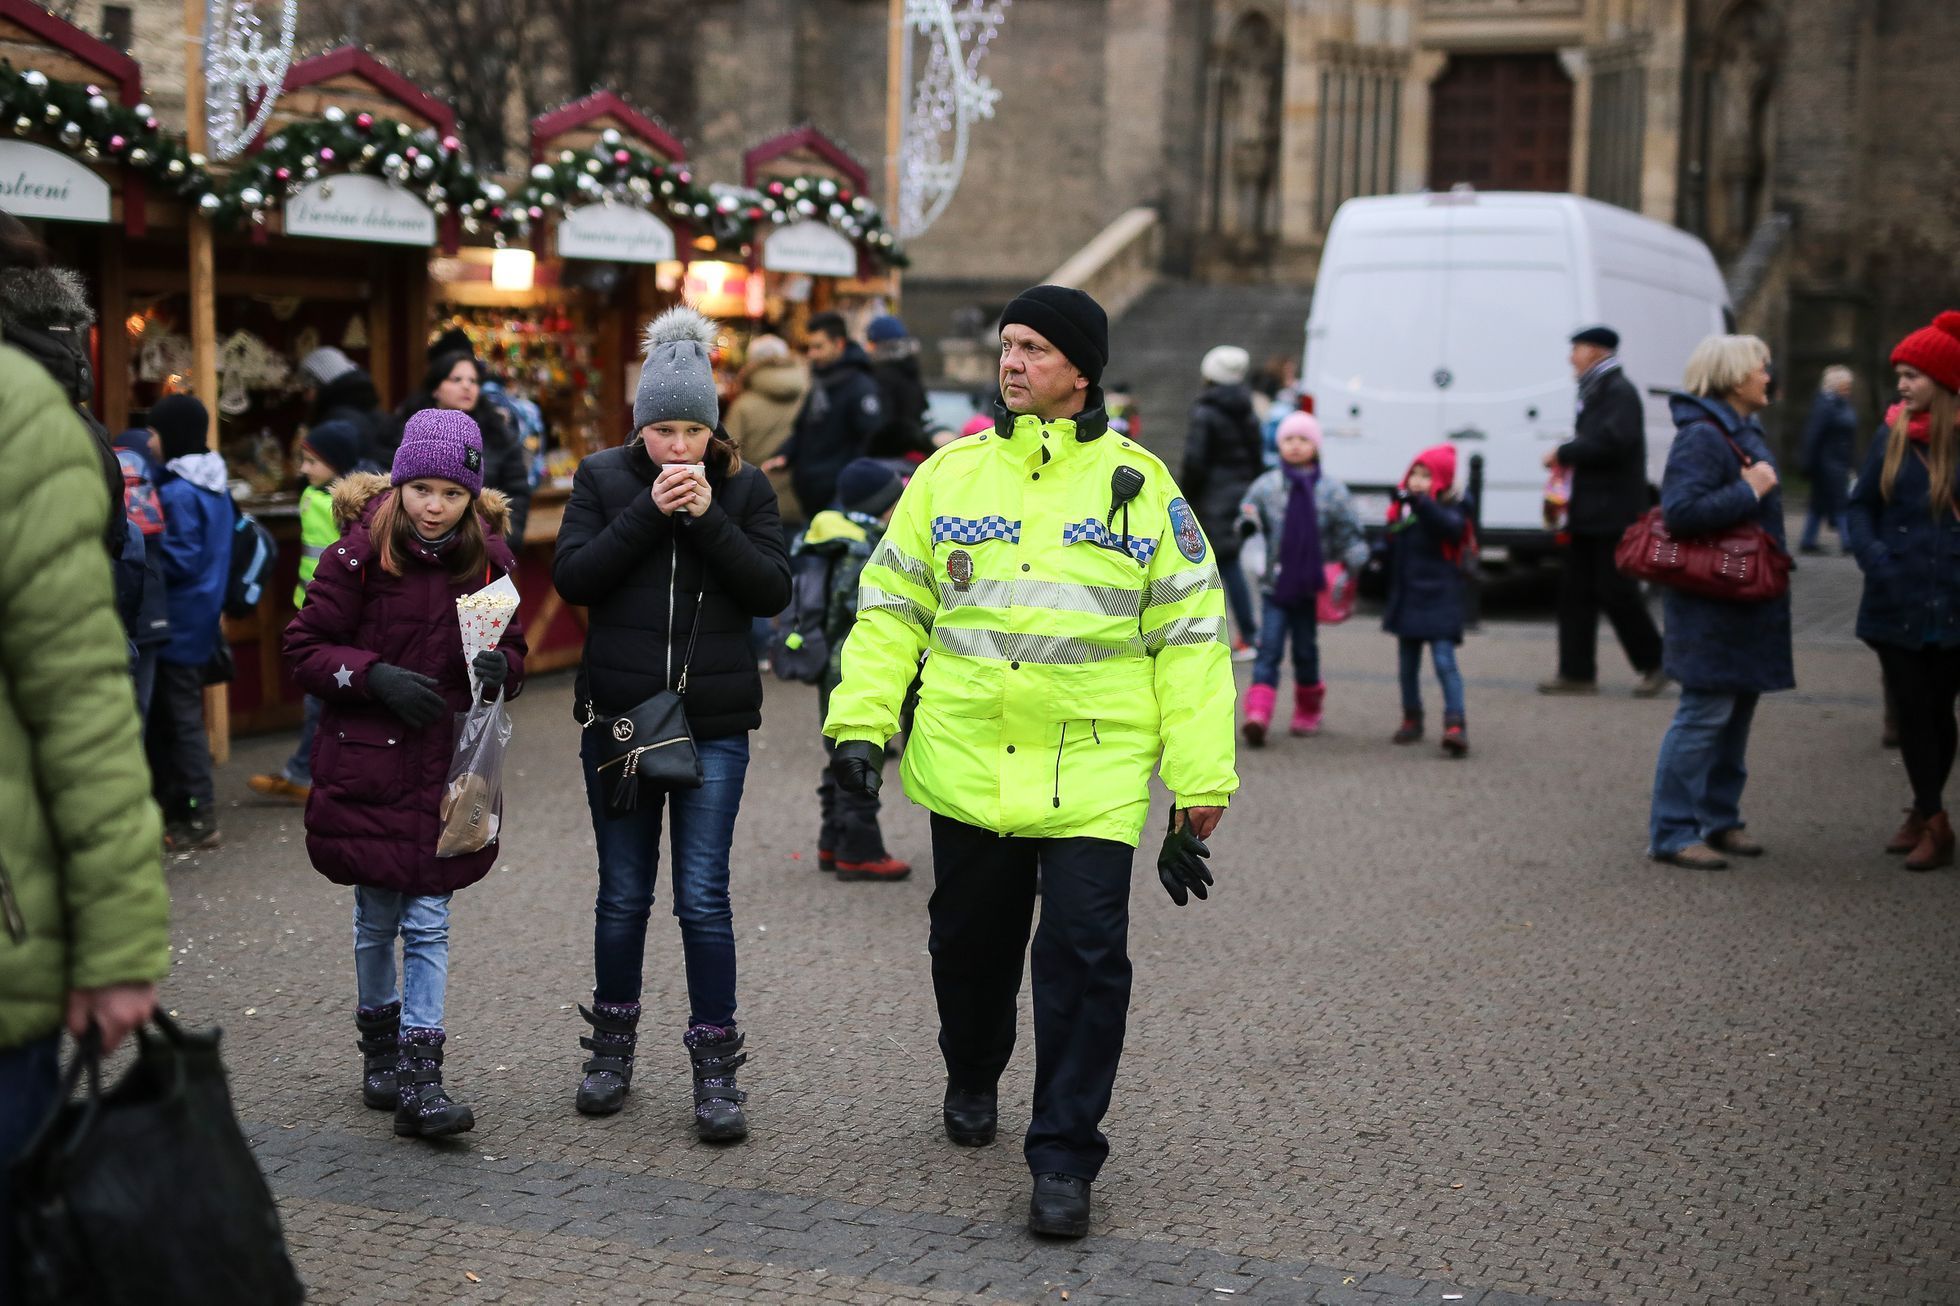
point(45, 297)
point(356, 495)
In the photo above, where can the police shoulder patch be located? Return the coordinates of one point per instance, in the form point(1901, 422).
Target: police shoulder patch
point(1184, 525)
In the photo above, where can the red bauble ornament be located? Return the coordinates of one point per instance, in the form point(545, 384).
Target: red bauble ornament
point(283, 174)
point(116, 144)
point(775, 188)
point(755, 213)
point(451, 144)
point(622, 158)
point(364, 120)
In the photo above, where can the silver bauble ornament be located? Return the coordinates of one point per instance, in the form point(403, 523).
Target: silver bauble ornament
point(36, 78)
point(334, 113)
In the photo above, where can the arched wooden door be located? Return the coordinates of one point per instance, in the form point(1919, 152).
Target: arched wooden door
point(1501, 122)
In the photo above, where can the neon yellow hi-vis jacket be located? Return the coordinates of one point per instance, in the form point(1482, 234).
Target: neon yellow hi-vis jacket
point(1068, 650)
point(317, 533)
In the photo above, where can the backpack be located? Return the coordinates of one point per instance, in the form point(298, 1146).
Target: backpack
point(801, 649)
point(253, 553)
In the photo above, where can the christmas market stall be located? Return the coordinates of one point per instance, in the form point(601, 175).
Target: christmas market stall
point(819, 240)
point(324, 231)
point(85, 164)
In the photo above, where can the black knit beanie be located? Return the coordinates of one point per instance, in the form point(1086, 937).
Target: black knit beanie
point(1072, 321)
point(180, 422)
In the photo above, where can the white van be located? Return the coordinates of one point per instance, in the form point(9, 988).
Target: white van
point(1448, 317)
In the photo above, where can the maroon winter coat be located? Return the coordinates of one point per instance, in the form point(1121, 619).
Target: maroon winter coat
point(374, 814)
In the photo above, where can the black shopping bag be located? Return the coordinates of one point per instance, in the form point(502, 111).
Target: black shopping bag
point(148, 1193)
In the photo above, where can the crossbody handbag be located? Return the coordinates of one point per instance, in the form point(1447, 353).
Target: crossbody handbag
point(650, 746)
point(1739, 564)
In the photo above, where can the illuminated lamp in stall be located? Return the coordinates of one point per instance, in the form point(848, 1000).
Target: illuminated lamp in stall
point(717, 289)
point(513, 269)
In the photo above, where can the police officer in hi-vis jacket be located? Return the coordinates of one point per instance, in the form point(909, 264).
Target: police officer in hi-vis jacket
point(1073, 628)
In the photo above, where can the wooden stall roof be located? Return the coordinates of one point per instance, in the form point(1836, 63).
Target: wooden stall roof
point(31, 37)
point(803, 150)
point(356, 81)
point(580, 123)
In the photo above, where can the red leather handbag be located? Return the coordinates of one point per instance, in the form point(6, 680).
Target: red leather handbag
point(1742, 564)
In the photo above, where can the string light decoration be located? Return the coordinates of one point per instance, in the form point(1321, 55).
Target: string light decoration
point(612, 172)
point(82, 120)
point(948, 99)
point(240, 70)
point(432, 167)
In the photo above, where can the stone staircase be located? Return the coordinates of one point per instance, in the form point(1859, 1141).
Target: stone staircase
point(1155, 347)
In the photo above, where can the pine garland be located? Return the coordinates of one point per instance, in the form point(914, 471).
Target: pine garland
point(80, 120)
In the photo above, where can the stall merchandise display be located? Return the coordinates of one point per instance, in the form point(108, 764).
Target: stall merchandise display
point(550, 355)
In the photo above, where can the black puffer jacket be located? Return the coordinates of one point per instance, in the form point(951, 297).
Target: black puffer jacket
point(630, 565)
point(1223, 456)
point(45, 313)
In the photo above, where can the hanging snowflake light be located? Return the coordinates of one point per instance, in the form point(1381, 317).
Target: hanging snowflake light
point(241, 72)
point(949, 96)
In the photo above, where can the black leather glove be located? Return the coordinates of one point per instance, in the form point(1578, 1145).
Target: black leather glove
point(1180, 863)
point(858, 766)
point(410, 695)
point(492, 669)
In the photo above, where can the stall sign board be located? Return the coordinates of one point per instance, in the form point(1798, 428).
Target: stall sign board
point(355, 207)
point(36, 182)
point(615, 232)
point(810, 247)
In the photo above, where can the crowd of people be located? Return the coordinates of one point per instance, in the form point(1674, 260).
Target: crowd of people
point(1039, 609)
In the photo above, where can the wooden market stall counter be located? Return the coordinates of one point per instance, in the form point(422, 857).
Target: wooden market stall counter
point(263, 695)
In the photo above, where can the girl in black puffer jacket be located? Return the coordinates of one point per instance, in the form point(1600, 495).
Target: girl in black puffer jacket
point(670, 542)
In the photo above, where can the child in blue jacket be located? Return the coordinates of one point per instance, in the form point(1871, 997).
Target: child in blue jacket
point(197, 523)
point(1430, 540)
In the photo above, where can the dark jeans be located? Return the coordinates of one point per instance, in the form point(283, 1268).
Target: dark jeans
point(1409, 664)
point(1589, 585)
point(1238, 596)
point(984, 888)
point(1829, 495)
point(1302, 625)
point(1925, 682)
point(629, 854)
point(180, 753)
point(850, 820)
point(29, 1076)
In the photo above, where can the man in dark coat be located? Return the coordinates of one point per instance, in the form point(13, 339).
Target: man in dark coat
point(1828, 438)
point(842, 411)
point(1608, 458)
point(338, 390)
point(1223, 454)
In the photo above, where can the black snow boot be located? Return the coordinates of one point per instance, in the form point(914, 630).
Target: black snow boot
point(1411, 729)
point(425, 1110)
point(717, 1054)
point(609, 1073)
point(380, 1045)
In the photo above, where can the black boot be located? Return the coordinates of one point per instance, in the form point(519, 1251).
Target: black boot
point(425, 1110)
point(1411, 729)
point(1456, 737)
point(971, 1117)
point(1060, 1206)
point(717, 1054)
point(610, 1071)
point(380, 1045)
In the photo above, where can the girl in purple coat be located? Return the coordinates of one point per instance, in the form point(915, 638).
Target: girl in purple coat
point(379, 642)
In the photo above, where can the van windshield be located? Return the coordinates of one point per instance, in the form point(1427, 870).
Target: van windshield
point(1496, 329)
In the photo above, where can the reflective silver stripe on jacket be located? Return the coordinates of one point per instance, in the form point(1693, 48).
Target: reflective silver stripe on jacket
point(1185, 630)
point(871, 596)
point(1054, 595)
point(1176, 589)
point(312, 552)
point(1048, 650)
point(890, 555)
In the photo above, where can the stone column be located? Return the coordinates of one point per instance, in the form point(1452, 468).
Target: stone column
point(1579, 69)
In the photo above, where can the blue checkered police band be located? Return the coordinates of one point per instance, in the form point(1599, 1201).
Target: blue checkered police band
point(1140, 547)
point(972, 530)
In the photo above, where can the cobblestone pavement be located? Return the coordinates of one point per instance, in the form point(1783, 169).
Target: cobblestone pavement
point(1442, 1034)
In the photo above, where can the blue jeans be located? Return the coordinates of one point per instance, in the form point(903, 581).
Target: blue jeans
point(423, 924)
point(299, 767)
point(1303, 625)
point(1443, 652)
point(1702, 768)
point(1238, 595)
point(629, 854)
point(29, 1077)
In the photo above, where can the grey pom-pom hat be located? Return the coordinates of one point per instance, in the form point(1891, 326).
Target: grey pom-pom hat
point(677, 382)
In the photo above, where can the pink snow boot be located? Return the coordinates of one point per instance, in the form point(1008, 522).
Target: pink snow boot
point(1307, 700)
point(1258, 713)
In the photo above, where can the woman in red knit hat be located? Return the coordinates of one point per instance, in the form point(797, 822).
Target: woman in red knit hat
point(1904, 525)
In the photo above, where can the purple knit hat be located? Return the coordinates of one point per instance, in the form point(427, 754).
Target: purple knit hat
point(444, 443)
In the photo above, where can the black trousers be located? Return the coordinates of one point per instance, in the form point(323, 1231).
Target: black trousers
point(984, 888)
point(180, 753)
point(1592, 584)
point(849, 820)
point(1925, 682)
